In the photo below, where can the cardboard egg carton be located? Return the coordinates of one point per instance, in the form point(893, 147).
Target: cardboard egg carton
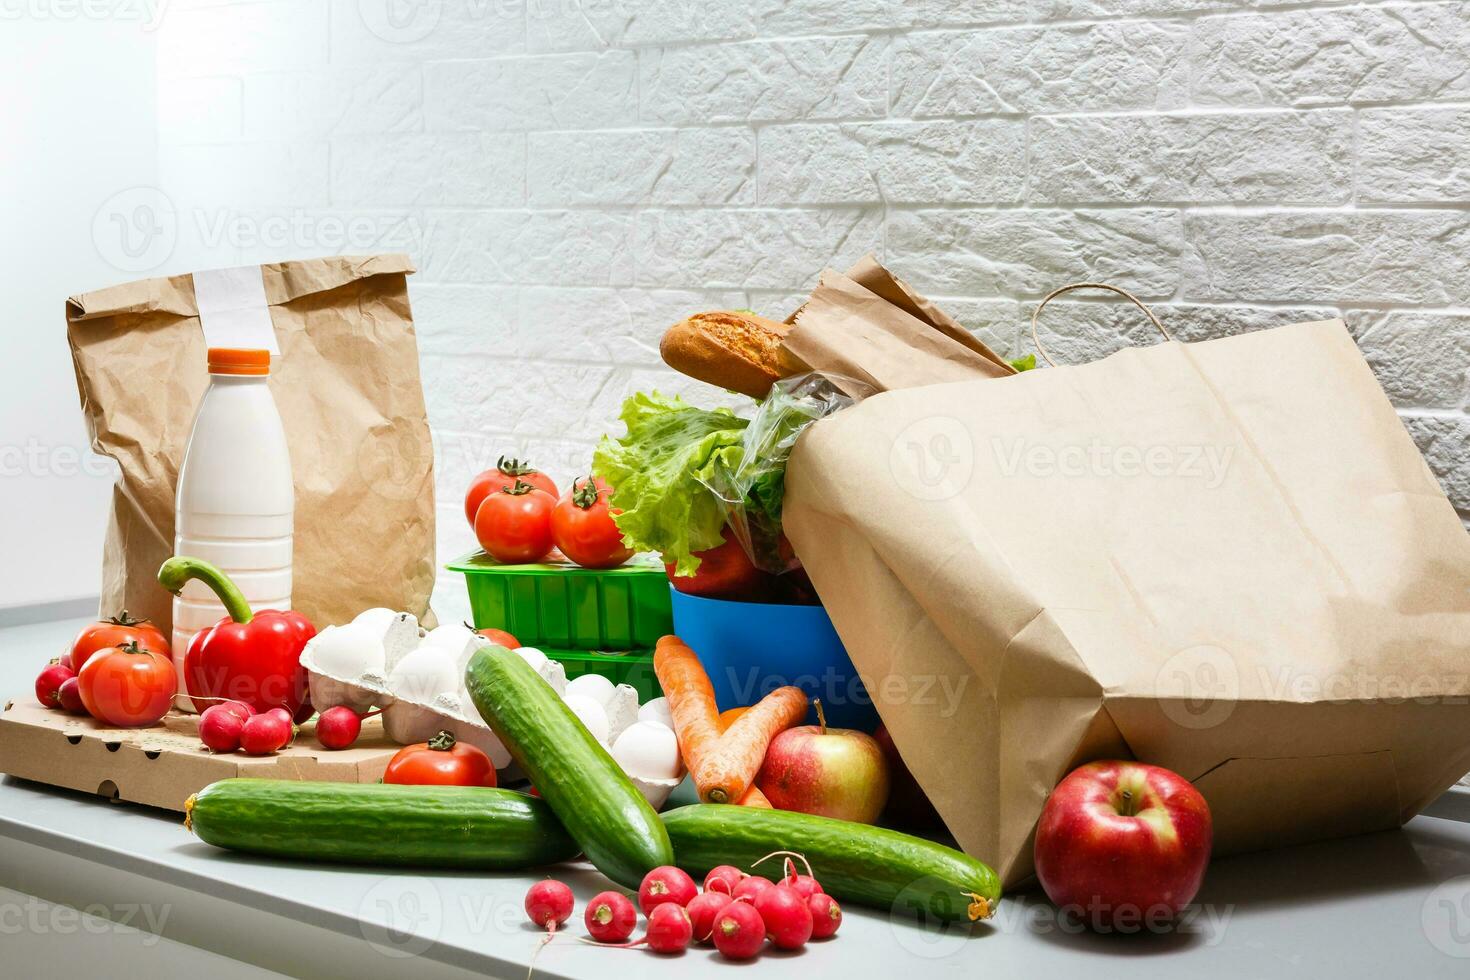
point(385, 660)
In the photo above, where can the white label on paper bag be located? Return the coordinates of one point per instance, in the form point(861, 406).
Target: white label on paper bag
point(233, 310)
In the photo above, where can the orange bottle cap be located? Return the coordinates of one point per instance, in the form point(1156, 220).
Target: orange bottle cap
point(239, 360)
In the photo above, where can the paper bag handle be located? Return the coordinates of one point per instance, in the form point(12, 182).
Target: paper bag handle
point(1088, 285)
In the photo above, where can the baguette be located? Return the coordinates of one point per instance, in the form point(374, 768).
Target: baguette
point(735, 350)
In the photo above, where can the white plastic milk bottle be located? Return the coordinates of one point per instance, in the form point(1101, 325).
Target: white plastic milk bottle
point(235, 500)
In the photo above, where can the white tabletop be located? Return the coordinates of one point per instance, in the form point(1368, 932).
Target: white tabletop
point(1395, 904)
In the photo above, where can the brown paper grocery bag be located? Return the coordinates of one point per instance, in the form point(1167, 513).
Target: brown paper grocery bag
point(346, 382)
point(1226, 558)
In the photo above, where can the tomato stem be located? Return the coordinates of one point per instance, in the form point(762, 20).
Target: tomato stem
point(178, 570)
point(442, 742)
point(584, 493)
point(511, 466)
point(520, 488)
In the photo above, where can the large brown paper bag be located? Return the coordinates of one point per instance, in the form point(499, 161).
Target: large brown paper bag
point(346, 383)
point(1226, 558)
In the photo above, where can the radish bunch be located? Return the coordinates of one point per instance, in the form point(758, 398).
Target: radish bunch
point(736, 912)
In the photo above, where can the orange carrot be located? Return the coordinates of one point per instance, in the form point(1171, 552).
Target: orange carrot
point(727, 769)
point(691, 700)
point(723, 764)
point(754, 797)
point(728, 716)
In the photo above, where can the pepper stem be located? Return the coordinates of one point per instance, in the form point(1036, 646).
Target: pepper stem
point(178, 570)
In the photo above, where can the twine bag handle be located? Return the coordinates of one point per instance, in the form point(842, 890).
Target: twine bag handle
point(1088, 285)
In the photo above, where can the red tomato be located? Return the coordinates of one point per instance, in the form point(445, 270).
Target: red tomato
point(128, 686)
point(441, 761)
point(507, 471)
point(499, 637)
point(514, 525)
point(114, 632)
point(583, 528)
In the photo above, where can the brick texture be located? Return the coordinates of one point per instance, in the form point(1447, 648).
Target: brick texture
point(570, 176)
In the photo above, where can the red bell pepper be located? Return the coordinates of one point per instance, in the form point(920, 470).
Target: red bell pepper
point(250, 657)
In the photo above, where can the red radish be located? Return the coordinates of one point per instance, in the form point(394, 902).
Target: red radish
point(806, 886)
point(739, 931)
point(610, 917)
point(669, 928)
point(549, 903)
point(220, 729)
point(265, 734)
point(338, 728)
point(723, 879)
point(665, 884)
point(238, 707)
point(702, 910)
point(69, 694)
point(786, 915)
point(751, 886)
point(280, 713)
point(826, 915)
point(49, 682)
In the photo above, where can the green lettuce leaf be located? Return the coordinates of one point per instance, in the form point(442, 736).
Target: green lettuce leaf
point(656, 472)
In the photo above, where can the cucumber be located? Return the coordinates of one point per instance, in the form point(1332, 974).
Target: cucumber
point(589, 792)
point(882, 869)
point(373, 823)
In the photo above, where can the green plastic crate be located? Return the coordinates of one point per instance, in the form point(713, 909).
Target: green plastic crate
point(566, 607)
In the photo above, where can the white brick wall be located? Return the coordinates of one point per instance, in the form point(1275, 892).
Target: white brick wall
point(573, 175)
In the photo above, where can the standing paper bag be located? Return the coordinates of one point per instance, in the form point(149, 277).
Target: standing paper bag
point(1226, 558)
point(346, 382)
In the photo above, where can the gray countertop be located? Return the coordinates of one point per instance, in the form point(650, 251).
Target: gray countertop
point(1396, 903)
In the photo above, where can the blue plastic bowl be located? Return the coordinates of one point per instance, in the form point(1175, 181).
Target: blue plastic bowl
point(751, 648)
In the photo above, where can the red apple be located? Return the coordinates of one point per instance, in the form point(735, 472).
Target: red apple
point(908, 805)
point(1124, 843)
point(832, 772)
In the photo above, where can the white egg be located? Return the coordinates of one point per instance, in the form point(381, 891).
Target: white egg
point(591, 713)
point(594, 686)
point(648, 750)
point(424, 674)
point(347, 652)
point(375, 619)
point(449, 636)
point(532, 656)
point(657, 711)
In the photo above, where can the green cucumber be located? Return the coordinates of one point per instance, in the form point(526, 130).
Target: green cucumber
point(856, 863)
point(374, 823)
point(594, 799)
